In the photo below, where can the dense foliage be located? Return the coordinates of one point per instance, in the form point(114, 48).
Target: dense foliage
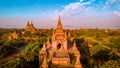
point(99, 48)
point(9, 46)
point(111, 64)
point(104, 49)
point(28, 58)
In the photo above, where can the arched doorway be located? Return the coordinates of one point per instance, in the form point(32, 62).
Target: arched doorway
point(58, 46)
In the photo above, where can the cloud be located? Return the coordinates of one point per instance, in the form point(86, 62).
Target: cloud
point(116, 13)
point(83, 8)
point(81, 0)
point(83, 13)
point(113, 0)
point(72, 9)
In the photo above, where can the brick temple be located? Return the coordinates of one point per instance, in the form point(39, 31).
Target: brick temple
point(57, 53)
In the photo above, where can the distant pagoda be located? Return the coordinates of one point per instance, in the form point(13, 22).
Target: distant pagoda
point(30, 27)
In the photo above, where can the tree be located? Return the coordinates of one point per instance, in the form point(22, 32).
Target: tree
point(31, 52)
point(99, 54)
point(113, 54)
point(111, 64)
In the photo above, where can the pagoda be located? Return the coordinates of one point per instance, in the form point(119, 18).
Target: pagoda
point(30, 27)
point(58, 51)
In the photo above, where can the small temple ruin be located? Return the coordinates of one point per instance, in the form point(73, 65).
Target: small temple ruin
point(14, 35)
point(58, 52)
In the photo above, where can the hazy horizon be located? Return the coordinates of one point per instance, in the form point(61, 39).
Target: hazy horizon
point(104, 14)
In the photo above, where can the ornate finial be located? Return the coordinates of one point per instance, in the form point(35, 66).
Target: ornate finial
point(31, 22)
point(44, 46)
point(59, 25)
point(59, 18)
point(28, 22)
point(74, 43)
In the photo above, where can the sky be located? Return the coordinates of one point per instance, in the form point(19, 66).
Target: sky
point(74, 13)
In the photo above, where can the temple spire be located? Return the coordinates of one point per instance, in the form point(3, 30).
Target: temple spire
point(44, 63)
point(28, 23)
point(59, 25)
point(74, 46)
point(31, 22)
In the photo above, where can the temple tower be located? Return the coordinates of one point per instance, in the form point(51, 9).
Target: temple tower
point(77, 56)
point(43, 53)
point(44, 64)
point(59, 37)
point(57, 53)
point(30, 27)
